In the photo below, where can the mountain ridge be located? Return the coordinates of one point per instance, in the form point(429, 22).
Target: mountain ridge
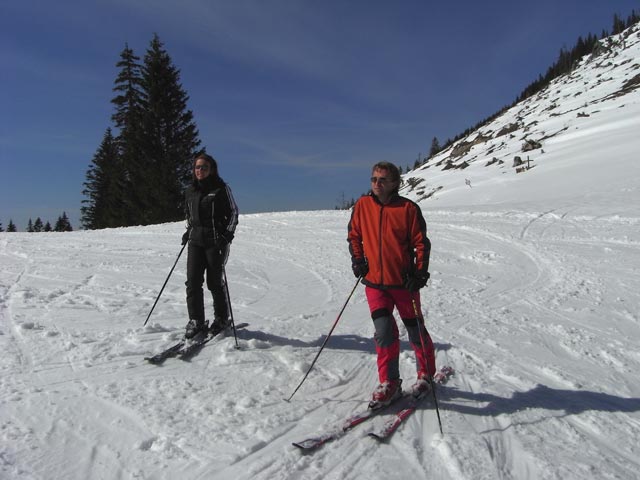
point(600, 97)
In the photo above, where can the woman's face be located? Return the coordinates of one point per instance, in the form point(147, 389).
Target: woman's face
point(202, 169)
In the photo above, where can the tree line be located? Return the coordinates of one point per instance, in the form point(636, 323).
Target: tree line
point(567, 59)
point(143, 163)
point(62, 225)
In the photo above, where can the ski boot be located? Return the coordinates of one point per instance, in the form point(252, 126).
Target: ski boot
point(194, 327)
point(385, 393)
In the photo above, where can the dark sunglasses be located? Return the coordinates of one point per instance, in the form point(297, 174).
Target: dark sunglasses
point(201, 167)
point(382, 180)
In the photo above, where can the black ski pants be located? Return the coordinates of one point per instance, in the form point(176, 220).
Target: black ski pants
point(210, 260)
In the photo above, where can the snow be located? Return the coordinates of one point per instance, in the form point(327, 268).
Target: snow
point(534, 300)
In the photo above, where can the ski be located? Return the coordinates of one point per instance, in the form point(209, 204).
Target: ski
point(354, 420)
point(391, 425)
point(194, 347)
point(186, 349)
point(172, 351)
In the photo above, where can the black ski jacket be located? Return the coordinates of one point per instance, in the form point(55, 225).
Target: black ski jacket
point(211, 212)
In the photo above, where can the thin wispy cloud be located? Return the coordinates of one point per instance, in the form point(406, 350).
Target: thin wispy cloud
point(279, 84)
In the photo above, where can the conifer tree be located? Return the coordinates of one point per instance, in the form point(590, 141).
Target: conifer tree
point(63, 224)
point(435, 147)
point(103, 187)
point(30, 226)
point(618, 25)
point(37, 225)
point(11, 227)
point(1, 229)
point(127, 119)
point(170, 139)
point(47, 227)
point(59, 225)
point(139, 175)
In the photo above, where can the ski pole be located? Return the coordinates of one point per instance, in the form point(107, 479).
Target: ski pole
point(165, 284)
point(326, 339)
point(233, 323)
point(421, 323)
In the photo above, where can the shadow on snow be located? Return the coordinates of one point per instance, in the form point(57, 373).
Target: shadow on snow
point(568, 402)
point(336, 342)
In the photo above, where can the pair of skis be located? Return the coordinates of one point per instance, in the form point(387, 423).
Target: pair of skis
point(387, 429)
point(185, 349)
point(391, 425)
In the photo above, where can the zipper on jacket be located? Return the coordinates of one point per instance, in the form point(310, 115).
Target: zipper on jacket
point(213, 215)
point(380, 246)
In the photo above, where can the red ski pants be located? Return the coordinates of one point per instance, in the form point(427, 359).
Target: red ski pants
point(381, 305)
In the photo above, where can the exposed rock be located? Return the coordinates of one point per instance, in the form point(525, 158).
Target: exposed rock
point(463, 148)
point(494, 160)
point(512, 127)
point(530, 145)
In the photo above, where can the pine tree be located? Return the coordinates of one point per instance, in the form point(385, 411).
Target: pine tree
point(63, 224)
point(37, 226)
point(66, 223)
point(59, 225)
point(170, 137)
point(618, 25)
point(127, 119)
point(47, 227)
point(103, 188)
point(139, 175)
point(30, 226)
point(11, 227)
point(1, 229)
point(435, 147)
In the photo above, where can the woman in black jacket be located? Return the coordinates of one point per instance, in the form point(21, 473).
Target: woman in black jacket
point(212, 217)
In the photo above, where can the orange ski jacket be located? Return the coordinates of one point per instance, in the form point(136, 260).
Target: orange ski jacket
point(392, 238)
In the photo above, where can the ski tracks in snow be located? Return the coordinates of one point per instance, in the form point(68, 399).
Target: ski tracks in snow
point(537, 313)
point(539, 341)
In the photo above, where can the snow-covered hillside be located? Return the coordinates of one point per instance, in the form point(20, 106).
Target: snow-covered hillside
point(534, 300)
point(582, 127)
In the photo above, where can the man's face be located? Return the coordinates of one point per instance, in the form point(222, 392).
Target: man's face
point(381, 184)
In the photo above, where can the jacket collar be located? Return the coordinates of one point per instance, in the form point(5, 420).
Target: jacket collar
point(394, 198)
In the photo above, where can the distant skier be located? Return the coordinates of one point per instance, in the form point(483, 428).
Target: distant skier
point(212, 217)
point(390, 250)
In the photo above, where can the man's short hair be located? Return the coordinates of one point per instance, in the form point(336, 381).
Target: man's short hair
point(390, 167)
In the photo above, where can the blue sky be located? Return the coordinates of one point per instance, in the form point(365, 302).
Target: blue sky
point(296, 99)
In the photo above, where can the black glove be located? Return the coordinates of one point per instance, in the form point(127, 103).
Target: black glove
point(222, 240)
point(221, 243)
point(185, 237)
point(415, 281)
point(360, 267)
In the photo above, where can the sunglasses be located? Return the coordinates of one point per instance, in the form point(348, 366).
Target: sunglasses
point(201, 167)
point(381, 180)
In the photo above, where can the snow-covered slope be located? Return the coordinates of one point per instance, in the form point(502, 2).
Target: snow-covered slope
point(534, 300)
point(582, 127)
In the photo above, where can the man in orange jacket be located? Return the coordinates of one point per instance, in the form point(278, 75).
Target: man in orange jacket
point(390, 251)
